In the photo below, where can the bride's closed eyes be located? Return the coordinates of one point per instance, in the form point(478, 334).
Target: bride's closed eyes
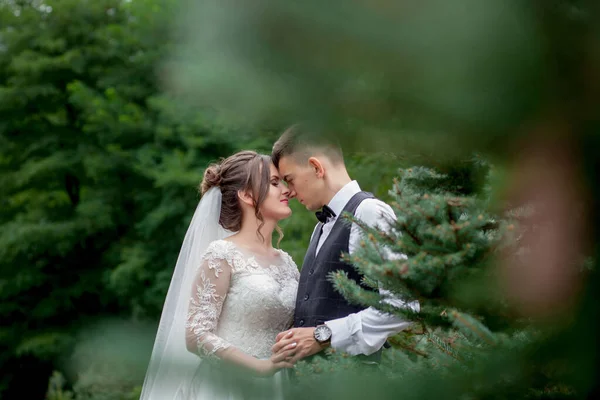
point(275, 181)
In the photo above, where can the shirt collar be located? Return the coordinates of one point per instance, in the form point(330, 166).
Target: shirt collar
point(343, 196)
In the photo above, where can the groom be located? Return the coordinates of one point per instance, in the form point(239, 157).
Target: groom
point(316, 175)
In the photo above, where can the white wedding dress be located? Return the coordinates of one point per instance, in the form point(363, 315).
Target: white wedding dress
point(238, 300)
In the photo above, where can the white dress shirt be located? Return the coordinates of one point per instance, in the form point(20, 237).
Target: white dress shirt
point(364, 332)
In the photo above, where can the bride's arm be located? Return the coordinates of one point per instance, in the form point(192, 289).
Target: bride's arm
point(208, 295)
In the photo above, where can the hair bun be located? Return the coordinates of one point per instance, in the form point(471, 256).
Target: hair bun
point(212, 178)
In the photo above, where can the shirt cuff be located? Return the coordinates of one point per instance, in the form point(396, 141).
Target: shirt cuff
point(343, 333)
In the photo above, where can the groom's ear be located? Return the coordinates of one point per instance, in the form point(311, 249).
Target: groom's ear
point(317, 167)
point(246, 197)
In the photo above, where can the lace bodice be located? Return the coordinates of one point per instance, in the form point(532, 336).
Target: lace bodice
point(240, 300)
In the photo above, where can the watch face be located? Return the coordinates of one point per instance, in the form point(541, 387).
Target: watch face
point(322, 333)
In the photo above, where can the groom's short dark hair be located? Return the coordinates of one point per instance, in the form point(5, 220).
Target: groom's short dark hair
point(301, 142)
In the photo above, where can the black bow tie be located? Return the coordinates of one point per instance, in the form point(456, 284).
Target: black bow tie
point(325, 214)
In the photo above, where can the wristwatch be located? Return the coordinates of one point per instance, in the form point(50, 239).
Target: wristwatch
point(322, 334)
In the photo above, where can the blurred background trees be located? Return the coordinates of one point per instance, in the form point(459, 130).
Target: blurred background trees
point(110, 110)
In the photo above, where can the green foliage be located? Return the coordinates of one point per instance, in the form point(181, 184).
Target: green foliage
point(402, 76)
point(56, 388)
point(100, 388)
point(109, 361)
point(97, 168)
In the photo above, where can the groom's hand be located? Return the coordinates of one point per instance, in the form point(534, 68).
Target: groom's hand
point(306, 345)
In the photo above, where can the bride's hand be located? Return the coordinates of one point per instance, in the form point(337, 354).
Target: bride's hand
point(268, 367)
point(276, 362)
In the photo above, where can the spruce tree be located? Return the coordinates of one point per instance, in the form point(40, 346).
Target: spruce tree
point(465, 341)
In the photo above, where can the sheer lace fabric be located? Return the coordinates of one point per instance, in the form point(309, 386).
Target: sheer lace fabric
point(238, 300)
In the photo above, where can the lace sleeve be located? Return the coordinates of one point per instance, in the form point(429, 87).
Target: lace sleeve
point(209, 291)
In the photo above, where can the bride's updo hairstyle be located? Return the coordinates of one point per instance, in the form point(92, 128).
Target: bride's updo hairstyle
point(246, 171)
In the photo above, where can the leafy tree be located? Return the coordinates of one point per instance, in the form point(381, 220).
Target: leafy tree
point(96, 170)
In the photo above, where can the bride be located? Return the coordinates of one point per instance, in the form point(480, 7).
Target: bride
point(231, 291)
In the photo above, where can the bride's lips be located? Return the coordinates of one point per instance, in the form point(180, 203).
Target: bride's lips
point(286, 201)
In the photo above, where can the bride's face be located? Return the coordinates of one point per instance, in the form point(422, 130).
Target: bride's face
point(276, 206)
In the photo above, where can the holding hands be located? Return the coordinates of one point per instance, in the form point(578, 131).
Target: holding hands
point(296, 344)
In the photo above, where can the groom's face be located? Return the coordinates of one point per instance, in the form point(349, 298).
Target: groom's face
point(302, 182)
